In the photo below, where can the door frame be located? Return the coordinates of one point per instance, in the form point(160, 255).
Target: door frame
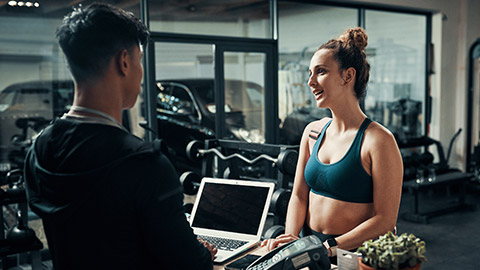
point(220, 45)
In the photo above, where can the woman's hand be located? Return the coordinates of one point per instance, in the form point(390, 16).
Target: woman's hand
point(211, 248)
point(279, 241)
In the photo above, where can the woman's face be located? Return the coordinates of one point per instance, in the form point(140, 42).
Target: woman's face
point(325, 79)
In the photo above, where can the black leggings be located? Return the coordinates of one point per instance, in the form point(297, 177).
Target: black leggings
point(306, 231)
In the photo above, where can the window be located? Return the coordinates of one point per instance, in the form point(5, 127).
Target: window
point(302, 29)
point(236, 18)
point(244, 83)
point(175, 98)
point(396, 92)
point(397, 55)
point(34, 79)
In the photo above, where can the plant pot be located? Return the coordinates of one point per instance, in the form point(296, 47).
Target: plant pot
point(362, 266)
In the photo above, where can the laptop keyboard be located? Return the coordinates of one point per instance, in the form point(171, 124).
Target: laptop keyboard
point(223, 243)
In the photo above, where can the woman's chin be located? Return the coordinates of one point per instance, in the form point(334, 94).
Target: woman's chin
point(321, 104)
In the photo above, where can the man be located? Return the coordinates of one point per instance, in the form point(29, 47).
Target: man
point(107, 200)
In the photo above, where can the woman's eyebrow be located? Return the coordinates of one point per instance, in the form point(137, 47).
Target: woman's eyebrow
point(319, 65)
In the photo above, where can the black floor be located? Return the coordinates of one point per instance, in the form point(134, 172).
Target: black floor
point(451, 239)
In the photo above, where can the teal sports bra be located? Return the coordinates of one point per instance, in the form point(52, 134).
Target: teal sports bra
point(345, 180)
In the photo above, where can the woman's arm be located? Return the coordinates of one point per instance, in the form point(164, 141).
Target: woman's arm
point(387, 175)
point(298, 204)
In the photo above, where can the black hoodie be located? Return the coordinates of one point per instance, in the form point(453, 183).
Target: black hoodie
point(108, 201)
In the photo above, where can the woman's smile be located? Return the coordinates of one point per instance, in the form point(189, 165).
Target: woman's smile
point(317, 93)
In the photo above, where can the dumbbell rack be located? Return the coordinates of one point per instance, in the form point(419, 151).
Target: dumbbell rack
point(6, 247)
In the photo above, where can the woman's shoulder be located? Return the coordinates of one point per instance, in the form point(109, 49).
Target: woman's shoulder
point(377, 135)
point(317, 124)
point(378, 129)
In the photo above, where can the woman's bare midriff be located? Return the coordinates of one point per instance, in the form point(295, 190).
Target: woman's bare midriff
point(331, 216)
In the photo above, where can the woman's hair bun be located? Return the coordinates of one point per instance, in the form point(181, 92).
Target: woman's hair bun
point(355, 37)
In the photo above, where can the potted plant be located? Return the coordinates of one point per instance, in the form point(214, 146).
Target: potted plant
point(391, 251)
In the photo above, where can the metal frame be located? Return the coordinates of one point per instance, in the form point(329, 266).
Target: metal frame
point(149, 79)
point(428, 72)
point(371, 6)
point(221, 44)
point(271, 108)
point(474, 53)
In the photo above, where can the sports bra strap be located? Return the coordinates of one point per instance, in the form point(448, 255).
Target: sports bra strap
point(316, 131)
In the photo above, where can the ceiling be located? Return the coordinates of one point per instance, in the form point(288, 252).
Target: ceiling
point(165, 10)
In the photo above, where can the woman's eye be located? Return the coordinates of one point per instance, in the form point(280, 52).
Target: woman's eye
point(320, 71)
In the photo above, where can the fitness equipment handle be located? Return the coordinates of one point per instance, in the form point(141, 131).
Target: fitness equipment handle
point(221, 156)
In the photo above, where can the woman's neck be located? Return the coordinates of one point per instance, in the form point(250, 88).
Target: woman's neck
point(348, 116)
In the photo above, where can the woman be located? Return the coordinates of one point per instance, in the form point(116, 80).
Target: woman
point(348, 182)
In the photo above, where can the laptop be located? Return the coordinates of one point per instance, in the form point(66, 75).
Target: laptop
point(231, 214)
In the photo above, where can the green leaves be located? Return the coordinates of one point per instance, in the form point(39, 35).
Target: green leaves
point(390, 251)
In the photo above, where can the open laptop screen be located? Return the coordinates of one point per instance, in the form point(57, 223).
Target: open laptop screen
point(233, 208)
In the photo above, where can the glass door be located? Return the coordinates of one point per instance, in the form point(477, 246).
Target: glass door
point(244, 87)
point(206, 90)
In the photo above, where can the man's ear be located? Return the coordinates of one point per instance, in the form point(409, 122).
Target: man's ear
point(349, 75)
point(122, 62)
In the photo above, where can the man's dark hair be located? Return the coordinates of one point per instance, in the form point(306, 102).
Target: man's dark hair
point(91, 36)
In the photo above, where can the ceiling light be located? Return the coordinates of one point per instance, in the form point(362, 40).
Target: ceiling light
point(29, 4)
point(12, 3)
point(36, 4)
point(20, 4)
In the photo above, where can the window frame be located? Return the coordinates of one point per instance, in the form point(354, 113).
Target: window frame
point(271, 103)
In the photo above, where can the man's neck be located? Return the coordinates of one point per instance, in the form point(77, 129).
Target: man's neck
point(101, 97)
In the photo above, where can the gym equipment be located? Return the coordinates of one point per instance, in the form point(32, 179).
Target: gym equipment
point(19, 238)
point(279, 204)
point(426, 158)
point(472, 161)
point(274, 231)
point(445, 177)
point(451, 179)
point(241, 160)
point(285, 161)
point(21, 142)
point(193, 150)
point(190, 182)
point(20, 234)
point(15, 190)
point(187, 208)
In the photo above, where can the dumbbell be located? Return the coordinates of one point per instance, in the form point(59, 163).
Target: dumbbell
point(407, 161)
point(20, 235)
point(279, 202)
point(193, 152)
point(274, 231)
point(15, 185)
point(415, 159)
point(187, 208)
point(287, 161)
point(409, 172)
point(426, 158)
point(190, 182)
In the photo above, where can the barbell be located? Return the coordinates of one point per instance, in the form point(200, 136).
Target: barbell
point(286, 161)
